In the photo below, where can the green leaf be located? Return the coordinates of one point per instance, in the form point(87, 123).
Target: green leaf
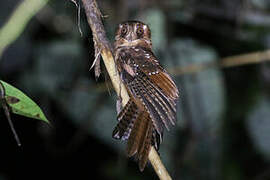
point(22, 104)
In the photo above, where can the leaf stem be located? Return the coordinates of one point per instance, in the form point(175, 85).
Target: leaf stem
point(6, 110)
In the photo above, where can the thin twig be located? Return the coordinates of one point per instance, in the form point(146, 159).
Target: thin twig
point(232, 61)
point(5, 106)
point(250, 58)
point(94, 20)
point(78, 6)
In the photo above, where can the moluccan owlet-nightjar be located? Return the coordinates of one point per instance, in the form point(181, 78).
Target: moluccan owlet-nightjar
point(153, 94)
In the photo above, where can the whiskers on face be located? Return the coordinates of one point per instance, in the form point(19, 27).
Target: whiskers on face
point(133, 33)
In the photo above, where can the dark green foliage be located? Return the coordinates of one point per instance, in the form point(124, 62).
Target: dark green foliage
point(223, 122)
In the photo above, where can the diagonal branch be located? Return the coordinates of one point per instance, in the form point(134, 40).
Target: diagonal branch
point(102, 45)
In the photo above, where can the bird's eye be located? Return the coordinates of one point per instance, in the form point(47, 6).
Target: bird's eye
point(140, 31)
point(124, 31)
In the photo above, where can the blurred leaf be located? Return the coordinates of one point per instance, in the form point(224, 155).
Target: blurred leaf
point(56, 66)
point(18, 20)
point(92, 110)
point(201, 108)
point(22, 104)
point(156, 19)
point(258, 125)
point(263, 4)
point(202, 97)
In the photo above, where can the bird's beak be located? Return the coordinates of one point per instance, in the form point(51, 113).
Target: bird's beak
point(130, 37)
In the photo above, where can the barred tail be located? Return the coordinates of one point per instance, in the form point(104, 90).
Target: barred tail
point(126, 120)
point(136, 126)
point(140, 139)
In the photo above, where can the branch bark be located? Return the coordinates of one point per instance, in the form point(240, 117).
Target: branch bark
point(102, 45)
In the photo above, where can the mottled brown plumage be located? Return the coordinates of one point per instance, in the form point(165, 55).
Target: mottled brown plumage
point(153, 94)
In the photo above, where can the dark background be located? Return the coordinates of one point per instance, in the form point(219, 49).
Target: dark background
point(223, 129)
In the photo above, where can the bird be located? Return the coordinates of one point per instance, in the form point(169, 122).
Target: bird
point(153, 93)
